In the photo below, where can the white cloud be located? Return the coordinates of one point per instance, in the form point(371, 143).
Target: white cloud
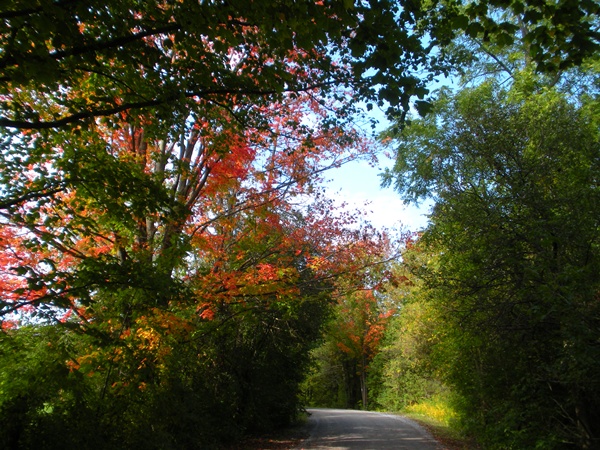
point(358, 183)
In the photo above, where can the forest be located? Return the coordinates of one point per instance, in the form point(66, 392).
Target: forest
point(174, 275)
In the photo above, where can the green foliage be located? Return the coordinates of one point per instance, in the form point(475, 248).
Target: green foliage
point(555, 36)
point(61, 389)
point(173, 59)
point(153, 296)
point(512, 269)
point(341, 374)
point(65, 63)
point(326, 383)
point(43, 404)
point(407, 361)
point(407, 367)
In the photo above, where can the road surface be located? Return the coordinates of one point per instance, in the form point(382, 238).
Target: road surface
point(342, 429)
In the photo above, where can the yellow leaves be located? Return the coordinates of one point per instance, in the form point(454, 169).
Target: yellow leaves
point(148, 339)
point(151, 337)
point(88, 364)
point(316, 263)
point(140, 350)
point(437, 408)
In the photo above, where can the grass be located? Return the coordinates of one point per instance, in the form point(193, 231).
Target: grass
point(438, 417)
point(436, 409)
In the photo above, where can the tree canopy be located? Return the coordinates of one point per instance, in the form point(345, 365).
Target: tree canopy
point(168, 259)
point(66, 62)
point(512, 261)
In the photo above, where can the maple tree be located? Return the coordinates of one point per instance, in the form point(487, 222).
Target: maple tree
point(352, 336)
point(176, 235)
point(164, 245)
point(358, 333)
point(216, 249)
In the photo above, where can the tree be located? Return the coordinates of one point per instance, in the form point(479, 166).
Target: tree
point(513, 236)
point(411, 359)
point(352, 336)
point(160, 207)
point(155, 163)
point(186, 275)
point(556, 36)
point(65, 63)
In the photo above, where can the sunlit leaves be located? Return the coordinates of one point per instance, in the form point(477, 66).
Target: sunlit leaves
point(511, 266)
point(182, 256)
point(171, 59)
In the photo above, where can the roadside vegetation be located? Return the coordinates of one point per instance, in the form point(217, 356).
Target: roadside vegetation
point(173, 275)
point(492, 314)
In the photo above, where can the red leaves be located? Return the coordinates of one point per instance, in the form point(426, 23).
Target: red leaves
point(206, 311)
point(16, 263)
point(9, 324)
point(361, 324)
point(240, 220)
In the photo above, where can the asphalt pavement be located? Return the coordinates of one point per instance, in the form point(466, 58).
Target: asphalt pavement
point(340, 429)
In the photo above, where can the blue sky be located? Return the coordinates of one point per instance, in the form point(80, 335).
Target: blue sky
point(358, 183)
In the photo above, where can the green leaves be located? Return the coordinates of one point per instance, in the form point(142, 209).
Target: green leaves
point(513, 269)
point(145, 56)
point(140, 220)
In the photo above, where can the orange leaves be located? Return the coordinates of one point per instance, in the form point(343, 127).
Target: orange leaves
point(206, 311)
point(147, 339)
point(316, 263)
point(9, 324)
point(264, 282)
point(229, 163)
point(266, 273)
point(94, 246)
point(89, 363)
point(343, 347)
point(144, 345)
point(361, 315)
point(268, 279)
point(17, 262)
point(72, 365)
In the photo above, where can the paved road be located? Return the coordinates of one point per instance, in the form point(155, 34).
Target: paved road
point(360, 430)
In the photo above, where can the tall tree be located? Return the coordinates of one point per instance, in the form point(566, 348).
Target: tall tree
point(154, 158)
point(514, 270)
point(191, 272)
point(353, 333)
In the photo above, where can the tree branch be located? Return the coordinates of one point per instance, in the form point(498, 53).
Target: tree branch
point(108, 111)
point(34, 195)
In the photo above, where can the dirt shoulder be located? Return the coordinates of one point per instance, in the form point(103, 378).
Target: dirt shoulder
point(285, 439)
